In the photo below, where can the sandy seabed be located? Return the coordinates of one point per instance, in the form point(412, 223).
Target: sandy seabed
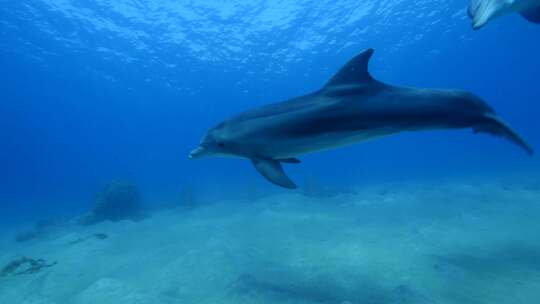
point(438, 242)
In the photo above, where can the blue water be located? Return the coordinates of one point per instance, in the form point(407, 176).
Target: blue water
point(94, 91)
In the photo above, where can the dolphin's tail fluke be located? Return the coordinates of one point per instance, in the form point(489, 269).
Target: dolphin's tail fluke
point(494, 126)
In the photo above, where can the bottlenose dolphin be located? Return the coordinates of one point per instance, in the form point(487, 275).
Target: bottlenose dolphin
point(351, 107)
point(482, 11)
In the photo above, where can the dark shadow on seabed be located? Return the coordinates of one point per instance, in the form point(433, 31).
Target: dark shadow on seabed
point(289, 285)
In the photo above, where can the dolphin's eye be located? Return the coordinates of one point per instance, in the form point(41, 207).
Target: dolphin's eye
point(221, 145)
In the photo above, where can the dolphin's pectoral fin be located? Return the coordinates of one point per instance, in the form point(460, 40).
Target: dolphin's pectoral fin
point(533, 15)
point(494, 126)
point(271, 169)
point(291, 160)
point(353, 72)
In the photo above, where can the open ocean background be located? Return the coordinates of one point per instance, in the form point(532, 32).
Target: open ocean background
point(93, 91)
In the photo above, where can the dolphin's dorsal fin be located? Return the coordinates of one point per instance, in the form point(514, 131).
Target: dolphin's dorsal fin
point(271, 169)
point(354, 72)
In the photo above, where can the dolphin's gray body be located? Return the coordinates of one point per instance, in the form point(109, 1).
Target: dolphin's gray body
point(483, 11)
point(350, 108)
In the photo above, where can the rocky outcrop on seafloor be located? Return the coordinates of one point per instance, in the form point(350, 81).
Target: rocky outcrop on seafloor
point(117, 201)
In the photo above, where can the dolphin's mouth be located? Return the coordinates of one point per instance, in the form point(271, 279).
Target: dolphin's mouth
point(198, 152)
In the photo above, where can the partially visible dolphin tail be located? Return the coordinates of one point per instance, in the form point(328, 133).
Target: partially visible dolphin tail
point(495, 126)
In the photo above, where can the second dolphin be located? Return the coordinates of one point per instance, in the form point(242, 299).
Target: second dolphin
point(483, 11)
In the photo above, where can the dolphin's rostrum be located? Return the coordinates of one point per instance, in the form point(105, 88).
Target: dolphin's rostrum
point(350, 108)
